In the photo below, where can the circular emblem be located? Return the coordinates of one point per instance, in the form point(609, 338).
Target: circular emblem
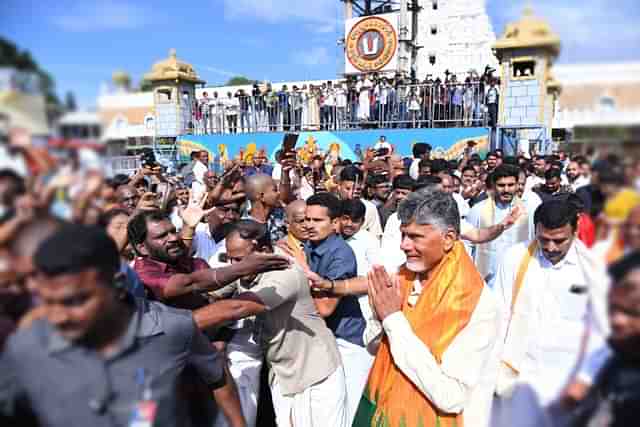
point(371, 44)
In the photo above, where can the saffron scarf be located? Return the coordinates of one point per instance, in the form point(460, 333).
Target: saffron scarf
point(449, 297)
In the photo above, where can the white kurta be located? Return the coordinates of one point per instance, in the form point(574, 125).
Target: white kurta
point(497, 247)
point(459, 383)
point(371, 219)
point(558, 332)
point(367, 251)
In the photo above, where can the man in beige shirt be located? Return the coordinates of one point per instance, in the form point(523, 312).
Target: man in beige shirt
point(307, 379)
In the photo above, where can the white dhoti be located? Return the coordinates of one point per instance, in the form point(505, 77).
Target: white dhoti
point(322, 404)
point(245, 362)
point(357, 363)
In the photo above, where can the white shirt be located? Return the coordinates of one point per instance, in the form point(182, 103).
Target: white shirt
point(510, 237)
point(455, 384)
point(414, 169)
point(532, 181)
point(367, 251)
point(341, 98)
point(557, 310)
point(198, 186)
point(580, 181)
point(205, 247)
point(463, 206)
point(371, 219)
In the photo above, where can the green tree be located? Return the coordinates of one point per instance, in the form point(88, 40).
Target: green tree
point(239, 80)
point(12, 56)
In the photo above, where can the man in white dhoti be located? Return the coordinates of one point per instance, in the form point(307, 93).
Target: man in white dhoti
point(494, 210)
point(553, 293)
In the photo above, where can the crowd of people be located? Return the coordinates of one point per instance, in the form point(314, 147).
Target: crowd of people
point(490, 290)
point(368, 101)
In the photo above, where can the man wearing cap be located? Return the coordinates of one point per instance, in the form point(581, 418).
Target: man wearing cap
point(132, 353)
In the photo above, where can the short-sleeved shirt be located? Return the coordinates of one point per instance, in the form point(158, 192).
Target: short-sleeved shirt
point(276, 224)
point(333, 259)
point(66, 384)
point(155, 275)
point(300, 349)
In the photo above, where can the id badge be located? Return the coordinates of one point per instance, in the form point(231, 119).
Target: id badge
point(144, 414)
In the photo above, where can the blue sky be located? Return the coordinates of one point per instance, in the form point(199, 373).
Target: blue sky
point(82, 42)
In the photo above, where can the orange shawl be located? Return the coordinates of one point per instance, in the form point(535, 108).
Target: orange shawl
point(444, 308)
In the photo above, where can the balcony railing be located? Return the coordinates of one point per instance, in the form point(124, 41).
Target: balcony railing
point(413, 106)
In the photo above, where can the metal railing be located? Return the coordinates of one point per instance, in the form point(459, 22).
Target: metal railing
point(340, 108)
point(124, 164)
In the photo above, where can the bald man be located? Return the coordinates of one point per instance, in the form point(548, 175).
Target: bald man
point(263, 194)
point(127, 197)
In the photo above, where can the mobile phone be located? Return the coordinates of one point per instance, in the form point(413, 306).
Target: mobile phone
point(164, 191)
point(289, 142)
point(154, 188)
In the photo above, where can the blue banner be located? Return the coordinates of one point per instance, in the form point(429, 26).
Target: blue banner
point(447, 143)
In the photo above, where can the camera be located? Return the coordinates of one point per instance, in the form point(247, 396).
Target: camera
point(148, 159)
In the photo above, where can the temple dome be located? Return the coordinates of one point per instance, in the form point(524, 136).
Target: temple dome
point(529, 32)
point(172, 69)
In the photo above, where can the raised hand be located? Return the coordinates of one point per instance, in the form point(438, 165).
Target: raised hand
point(193, 214)
point(147, 202)
point(514, 216)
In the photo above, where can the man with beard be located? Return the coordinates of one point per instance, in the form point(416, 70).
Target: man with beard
point(127, 197)
point(493, 211)
point(552, 186)
point(574, 175)
point(351, 188)
point(492, 161)
point(166, 269)
point(401, 187)
point(540, 166)
point(553, 291)
point(614, 399)
point(435, 326)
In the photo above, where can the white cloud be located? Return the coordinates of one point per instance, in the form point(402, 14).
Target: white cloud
point(321, 16)
point(312, 57)
point(109, 15)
